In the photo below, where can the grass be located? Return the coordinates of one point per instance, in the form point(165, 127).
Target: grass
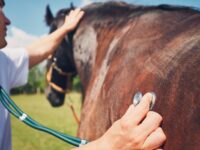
point(60, 119)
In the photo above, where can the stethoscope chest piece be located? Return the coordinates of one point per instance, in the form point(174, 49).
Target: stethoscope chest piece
point(138, 97)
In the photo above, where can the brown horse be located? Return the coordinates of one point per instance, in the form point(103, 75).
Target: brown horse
point(120, 49)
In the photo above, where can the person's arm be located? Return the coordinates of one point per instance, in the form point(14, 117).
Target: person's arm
point(41, 49)
point(138, 129)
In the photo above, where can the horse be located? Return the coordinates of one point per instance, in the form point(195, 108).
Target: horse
point(119, 49)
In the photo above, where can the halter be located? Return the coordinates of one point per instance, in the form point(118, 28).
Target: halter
point(19, 114)
point(58, 88)
point(68, 75)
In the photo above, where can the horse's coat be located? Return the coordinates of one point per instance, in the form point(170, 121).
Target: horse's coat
point(120, 49)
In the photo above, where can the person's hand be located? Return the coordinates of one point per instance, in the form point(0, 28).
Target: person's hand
point(72, 20)
point(138, 129)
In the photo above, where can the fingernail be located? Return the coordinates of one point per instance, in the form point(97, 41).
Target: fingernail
point(137, 98)
point(153, 100)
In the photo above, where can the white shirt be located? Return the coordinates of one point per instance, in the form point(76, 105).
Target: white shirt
point(13, 73)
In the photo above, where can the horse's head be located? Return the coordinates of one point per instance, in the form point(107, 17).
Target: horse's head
point(59, 73)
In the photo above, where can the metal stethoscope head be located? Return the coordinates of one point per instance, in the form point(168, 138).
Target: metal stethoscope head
point(138, 97)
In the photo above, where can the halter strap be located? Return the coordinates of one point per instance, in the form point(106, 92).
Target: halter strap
point(49, 75)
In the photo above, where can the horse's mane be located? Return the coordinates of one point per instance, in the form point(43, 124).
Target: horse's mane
point(112, 8)
point(112, 5)
point(122, 9)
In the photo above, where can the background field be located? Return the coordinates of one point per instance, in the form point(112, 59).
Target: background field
point(60, 119)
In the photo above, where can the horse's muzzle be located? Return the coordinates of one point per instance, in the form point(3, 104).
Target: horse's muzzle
point(55, 98)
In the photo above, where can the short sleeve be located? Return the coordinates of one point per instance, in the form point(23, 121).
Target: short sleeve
point(17, 66)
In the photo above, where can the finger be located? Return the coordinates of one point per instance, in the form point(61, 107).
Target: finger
point(126, 119)
point(76, 20)
point(150, 123)
point(71, 12)
point(137, 113)
point(129, 112)
point(155, 140)
point(80, 15)
point(142, 109)
point(77, 11)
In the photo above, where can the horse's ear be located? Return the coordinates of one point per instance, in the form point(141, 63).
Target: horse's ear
point(72, 5)
point(48, 16)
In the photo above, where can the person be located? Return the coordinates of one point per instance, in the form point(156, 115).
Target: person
point(137, 129)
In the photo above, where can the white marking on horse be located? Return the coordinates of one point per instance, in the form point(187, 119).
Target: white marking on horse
point(85, 45)
point(99, 80)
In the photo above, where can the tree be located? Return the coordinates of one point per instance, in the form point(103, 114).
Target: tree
point(36, 82)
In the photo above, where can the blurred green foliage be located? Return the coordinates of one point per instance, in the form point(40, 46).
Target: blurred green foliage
point(37, 82)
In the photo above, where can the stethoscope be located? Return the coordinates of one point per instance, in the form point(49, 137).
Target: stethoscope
point(138, 97)
point(9, 104)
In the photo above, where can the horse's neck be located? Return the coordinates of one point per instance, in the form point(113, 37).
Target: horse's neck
point(85, 45)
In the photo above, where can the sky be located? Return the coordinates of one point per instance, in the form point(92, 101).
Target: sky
point(27, 17)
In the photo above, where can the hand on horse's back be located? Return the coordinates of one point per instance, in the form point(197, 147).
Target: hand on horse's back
point(138, 129)
point(72, 20)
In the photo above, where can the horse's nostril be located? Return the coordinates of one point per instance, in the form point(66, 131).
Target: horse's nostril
point(56, 99)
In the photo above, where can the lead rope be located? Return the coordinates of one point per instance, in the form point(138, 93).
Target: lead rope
point(71, 106)
point(19, 114)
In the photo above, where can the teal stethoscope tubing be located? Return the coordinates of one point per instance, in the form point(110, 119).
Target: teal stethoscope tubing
point(18, 113)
